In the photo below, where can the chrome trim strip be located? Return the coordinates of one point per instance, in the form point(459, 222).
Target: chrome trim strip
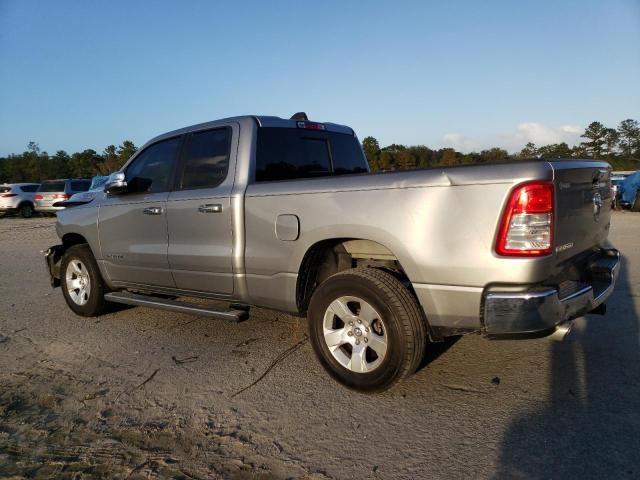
point(614, 276)
point(154, 289)
point(523, 295)
point(172, 305)
point(582, 291)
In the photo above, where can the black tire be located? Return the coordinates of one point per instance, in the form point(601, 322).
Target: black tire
point(636, 204)
point(26, 210)
point(402, 318)
point(94, 302)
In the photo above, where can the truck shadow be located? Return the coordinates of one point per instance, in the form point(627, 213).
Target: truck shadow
point(590, 426)
point(435, 350)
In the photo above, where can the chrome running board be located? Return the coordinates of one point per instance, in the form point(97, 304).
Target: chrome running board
point(128, 298)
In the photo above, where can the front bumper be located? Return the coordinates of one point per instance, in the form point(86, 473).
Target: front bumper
point(52, 257)
point(542, 310)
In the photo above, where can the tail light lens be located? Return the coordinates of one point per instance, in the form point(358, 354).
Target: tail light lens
point(38, 196)
point(526, 228)
point(8, 195)
point(310, 125)
point(63, 196)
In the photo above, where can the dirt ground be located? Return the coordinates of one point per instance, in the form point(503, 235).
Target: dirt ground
point(141, 393)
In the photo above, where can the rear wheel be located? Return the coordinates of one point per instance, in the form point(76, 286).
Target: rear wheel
point(636, 204)
point(26, 210)
point(367, 329)
point(82, 285)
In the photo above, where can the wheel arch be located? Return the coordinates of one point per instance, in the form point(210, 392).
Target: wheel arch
point(72, 238)
point(329, 256)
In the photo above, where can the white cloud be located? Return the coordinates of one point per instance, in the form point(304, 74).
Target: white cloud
point(458, 141)
point(513, 141)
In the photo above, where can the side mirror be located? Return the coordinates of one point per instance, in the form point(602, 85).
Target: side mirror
point(116, 183)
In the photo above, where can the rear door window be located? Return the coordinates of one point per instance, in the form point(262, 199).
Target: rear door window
point(80, 185)
point(29, 188)
point(52, 187)
point(206, 159)
point(348, 156)
point(285, 154)
point(289, 153)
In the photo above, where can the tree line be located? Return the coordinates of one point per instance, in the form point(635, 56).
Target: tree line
point(619, 146)
point(34, 165)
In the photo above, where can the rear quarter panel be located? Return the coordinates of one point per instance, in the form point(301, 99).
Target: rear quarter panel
point(440, 225)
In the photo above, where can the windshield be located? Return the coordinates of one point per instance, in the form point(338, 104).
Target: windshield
point(98, 182)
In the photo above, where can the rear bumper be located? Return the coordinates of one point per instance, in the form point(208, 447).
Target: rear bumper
point(541, 311)
point(47, 208)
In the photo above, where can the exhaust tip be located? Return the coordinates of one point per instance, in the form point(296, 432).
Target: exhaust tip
point(561, 332)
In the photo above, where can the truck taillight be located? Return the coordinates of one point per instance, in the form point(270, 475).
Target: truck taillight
point(526, 228)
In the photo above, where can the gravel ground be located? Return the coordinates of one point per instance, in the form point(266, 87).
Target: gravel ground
point(141, 393)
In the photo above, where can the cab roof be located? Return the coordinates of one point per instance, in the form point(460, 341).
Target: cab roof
point(260, 120)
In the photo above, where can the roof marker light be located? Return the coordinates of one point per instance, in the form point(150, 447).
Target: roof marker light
point(310, 125)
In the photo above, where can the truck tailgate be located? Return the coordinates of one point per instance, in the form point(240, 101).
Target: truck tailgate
point(583, 206)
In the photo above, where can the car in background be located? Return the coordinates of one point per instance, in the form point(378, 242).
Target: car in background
point(52, 192)
point(630, 192)
point(616, 193)
point(18, 198)
point(97, 186)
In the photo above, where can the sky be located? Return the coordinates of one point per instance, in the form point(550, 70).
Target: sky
point(463, 74)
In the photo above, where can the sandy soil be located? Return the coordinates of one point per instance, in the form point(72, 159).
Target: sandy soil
point(141, 393)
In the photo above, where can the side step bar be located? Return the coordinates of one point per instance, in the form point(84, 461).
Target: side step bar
point(128, 298)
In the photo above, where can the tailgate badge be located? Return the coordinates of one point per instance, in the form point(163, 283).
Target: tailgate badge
point(564, 247)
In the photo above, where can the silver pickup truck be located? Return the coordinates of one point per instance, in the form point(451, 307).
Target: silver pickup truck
point(284, 214)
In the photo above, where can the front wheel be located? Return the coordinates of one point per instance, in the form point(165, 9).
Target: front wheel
point(367, 329)
point(82, 285)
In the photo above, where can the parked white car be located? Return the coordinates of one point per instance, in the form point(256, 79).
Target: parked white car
point(17, 198)
point(53, 192)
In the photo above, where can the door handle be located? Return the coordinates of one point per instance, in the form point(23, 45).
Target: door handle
point(152, 211)
point(210, 208)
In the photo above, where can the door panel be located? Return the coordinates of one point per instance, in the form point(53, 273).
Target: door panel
point(133, 238)
point(199, 212)
point(133, 226)
point(200, 239)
